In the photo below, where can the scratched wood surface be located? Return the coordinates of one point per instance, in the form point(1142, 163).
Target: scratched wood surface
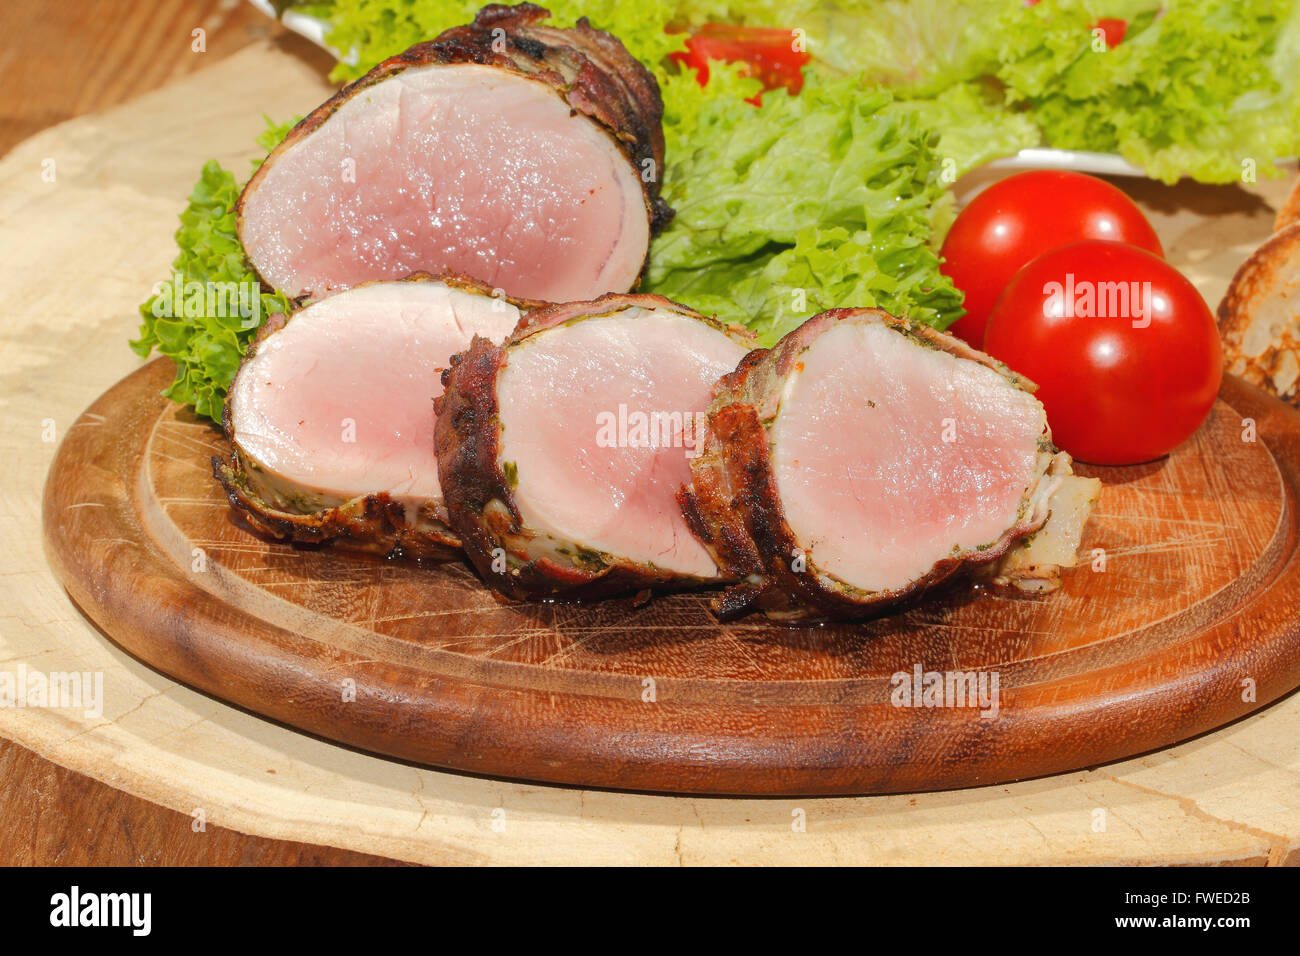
point(1230, 796)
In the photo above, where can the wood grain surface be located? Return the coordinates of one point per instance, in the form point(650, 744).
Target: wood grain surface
point(1193, 606)
point(68, 819)
point(110, 51)
point(71, 287)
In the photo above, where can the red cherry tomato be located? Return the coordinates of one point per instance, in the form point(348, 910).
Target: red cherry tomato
point(1021, 217)
point(1123, 348)
point(769, 54)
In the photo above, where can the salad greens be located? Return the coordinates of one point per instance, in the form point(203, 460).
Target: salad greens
point(207, 342)
point(836, 196)
point(820, 200)
point(374, 30)
point(1197, 87)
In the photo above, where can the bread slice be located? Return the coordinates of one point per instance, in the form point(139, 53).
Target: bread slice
point(1259, 317)
point(1290, 211)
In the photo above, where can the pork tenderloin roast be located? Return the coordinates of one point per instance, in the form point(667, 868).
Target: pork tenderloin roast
point(523, 155)
point(864, 459)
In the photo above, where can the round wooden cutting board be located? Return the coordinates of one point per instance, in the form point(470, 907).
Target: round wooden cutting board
point(1183, 618)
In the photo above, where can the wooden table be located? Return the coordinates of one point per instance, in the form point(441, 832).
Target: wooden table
point(117, 49)
point(75, 259)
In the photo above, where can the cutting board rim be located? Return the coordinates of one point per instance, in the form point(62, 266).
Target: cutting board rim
point(187, 647)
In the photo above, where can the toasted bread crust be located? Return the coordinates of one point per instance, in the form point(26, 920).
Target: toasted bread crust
point(1259, 317)
point(1289, 213)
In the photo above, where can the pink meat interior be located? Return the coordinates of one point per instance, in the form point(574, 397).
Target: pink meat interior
point(890, 456)
point(340, 401)
point(452, 169)
point(562, 385)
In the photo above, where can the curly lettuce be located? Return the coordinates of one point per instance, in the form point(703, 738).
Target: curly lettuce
point(206, 312)
point(973, 126)
point(1197, 88)
point(811, 202)
point(369, 31)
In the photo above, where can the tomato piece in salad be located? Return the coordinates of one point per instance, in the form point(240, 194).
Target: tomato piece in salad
point(769, 54)
point(1113, 29)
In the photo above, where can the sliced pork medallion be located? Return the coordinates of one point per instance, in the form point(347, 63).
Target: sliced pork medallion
point(523, 155)
point(561, 453)
point(863, 459)
point(331, 415)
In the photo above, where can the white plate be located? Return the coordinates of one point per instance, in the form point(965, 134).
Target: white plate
point(1102, 164)
point(301, 24)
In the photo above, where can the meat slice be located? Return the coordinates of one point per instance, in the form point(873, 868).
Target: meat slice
point(330, 417)
point(561, 452)
point(522, 155)
point(863, 459)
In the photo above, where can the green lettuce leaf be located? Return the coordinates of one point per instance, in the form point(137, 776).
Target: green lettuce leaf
point(1198, 88)
point(914, 47)
point(367, 32)
point(812, 202)
point(207, 311)
point(973, 125)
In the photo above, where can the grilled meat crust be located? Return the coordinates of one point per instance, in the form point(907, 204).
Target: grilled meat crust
point(547, 316)
point(734, 507)
point(373, 523)
point(589, 68)
point(1259, 317)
